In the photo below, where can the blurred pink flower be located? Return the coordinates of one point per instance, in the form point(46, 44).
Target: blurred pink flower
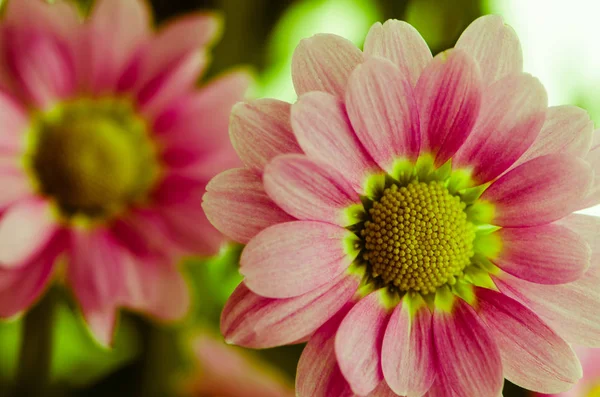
point(106, 148)
point(424, 243)
point(227, 371)
point(589, 386)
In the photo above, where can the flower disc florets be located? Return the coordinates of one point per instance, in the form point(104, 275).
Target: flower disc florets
point(418, 237)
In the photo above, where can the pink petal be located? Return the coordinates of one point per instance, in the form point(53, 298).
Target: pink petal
point(383, 112)
point(25, 228)
point(60, 19)
point(319, 374)
point(567, 129)
point(309, 191)
point(14, 121)
point(593, 197)
point(408, 356)
point(449, 97)
point(324, 63)
point(570, 309)
point(254, 321)
point(293, 258)
point(16, 186)
point(323, 130)
point(199, 121)
point(236, 204)
point(402, 44)
point(533, 355)
point(42, 66)
point(468, 358)
point(547, 254)
point(95, 273)
point(494, 45)
point(358, 343)
point(154, 288)
point(260, 130)
point(540, 191)
point(586, 226)
point(20, 287)
point(512, 107)
point(116, 29)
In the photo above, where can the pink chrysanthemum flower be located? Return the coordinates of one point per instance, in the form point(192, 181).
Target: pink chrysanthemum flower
point(106, 148)
point(424, 243)
point(589, 386)
point(228, 371)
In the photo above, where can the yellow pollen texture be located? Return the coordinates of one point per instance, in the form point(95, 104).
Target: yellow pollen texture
point(418, 237)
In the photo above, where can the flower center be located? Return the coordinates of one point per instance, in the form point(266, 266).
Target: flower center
point(93, 157)
point(418, 237)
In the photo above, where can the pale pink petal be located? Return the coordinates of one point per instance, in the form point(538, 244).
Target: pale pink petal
point(358, 343)
point(383, 111)
point(512, 107)
point(154, 288)
point(16, 185)
point(586, 226)
point(254, 321)
point(593, 197)
point(570, 309)
point(468, 358)
point(567, 129)
point(14, 121)
point(547, 254)
point(324, 63)
point(402, 44)
point(199, 121)
point(319, 374)
point(20, 287)
point(323, 130)
point(533, 355)
point(25, 228)
point(408, 355)
point(60, 18)
point(42, 66)
point(449, 97)
point(309, 191)
point(95, 273)
point(116, 30)
point(494, 45)
point(293, 258)
point(236, 204)
point(260, 130)
point(540, 191)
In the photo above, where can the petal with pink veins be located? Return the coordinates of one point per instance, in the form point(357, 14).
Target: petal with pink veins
point(383, 112)
point(402, 44)
point(293, 258)
point(569, 309)
point(547, 254)
point(533, 355)
point(512, 107)
point(567, 129)
point(237, 205)
point(586, 226)
point(260, 130)
point(20, 287)
point(359, 340)
point(322, 127)
point(324, 63)
point(494, 45)
point(408, 355)
point(469, 361)
point(95, 273)
point(319, 374)
point(310, 191)
point(25, 228)
point(449, 98)
point(593, 197)
point(116, 29)
point(540, 191)
point(254, 321)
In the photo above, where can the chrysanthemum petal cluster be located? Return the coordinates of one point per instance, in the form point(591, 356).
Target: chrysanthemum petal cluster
point(412, 218)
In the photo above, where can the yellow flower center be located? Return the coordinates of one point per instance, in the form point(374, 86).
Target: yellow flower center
point(92, 157)
point(418, 237)
point(594, 392)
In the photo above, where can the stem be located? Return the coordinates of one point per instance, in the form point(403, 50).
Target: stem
point(35, 357)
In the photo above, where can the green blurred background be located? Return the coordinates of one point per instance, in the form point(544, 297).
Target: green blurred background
point(558, 41)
